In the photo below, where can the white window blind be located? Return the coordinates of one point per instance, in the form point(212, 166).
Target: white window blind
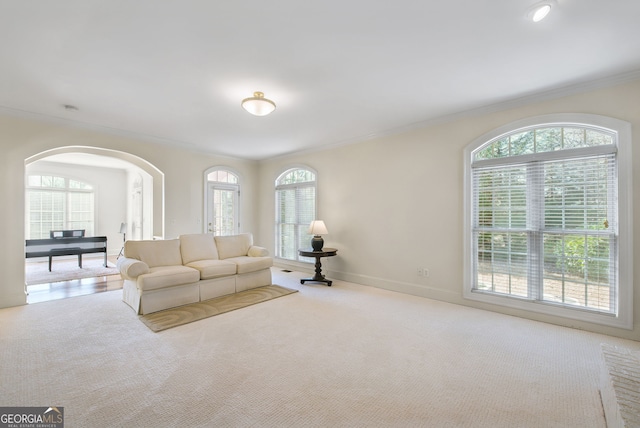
point(295, 210)
point(545, 229)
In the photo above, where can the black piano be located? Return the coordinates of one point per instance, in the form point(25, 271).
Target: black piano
point(66, 243)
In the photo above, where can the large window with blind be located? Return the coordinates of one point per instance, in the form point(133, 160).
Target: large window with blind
point(55, 203)
point(548, 219)
point(295, 210)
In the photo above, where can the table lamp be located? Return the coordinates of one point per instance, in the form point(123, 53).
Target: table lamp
point(317, 228)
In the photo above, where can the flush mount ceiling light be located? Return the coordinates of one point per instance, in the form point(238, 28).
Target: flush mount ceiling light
point(540, 10)
point(258, 105)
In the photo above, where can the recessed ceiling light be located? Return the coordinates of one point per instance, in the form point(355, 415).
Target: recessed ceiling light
point(539, 11)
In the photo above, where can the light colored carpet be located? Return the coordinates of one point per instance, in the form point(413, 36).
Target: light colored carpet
point(67, 269)
point(163, 320)
point(340, 356)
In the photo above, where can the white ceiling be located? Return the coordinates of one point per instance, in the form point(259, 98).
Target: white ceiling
point(175, 71)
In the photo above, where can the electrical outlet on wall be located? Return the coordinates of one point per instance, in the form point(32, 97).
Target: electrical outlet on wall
point(423, 272)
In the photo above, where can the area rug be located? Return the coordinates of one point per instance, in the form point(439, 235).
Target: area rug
point(67, 270)
point(174, 317)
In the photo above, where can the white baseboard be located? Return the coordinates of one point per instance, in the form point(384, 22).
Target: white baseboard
point(421, 290)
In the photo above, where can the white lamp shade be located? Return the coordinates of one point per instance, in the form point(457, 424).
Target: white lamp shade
point(317, 227)
point(123, 227)
point(258, 105)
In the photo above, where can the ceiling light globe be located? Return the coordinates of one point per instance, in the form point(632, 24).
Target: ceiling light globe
point(258, 105)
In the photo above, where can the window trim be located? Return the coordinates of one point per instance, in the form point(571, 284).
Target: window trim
point(624, 319)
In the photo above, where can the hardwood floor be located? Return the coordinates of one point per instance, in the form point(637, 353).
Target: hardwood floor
point(77, 287)
point(72, 288)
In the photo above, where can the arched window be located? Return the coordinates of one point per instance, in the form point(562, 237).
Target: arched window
point(547, 218)
point(222, 194)
point(295, 210)
point(55, 203)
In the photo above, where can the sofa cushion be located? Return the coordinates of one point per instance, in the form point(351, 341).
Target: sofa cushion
point(233, 246)
point(251, 264)
point(155, 253)
point(198, 246)
point(213, 268)
point(256, 251)
point(167, 276)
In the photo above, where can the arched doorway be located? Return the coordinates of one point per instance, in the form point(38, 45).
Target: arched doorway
point(108, 193)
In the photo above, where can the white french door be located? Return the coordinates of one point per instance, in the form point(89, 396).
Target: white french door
point(222, 209)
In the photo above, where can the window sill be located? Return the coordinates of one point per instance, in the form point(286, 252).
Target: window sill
point(549, 308)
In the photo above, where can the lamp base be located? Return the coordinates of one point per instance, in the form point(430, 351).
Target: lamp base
point(317, 243)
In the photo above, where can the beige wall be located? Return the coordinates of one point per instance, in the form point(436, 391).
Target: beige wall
point(394, 204)
point(183, 186)
point(421, 171)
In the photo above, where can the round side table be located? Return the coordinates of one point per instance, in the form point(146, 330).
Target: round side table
point(325, 252)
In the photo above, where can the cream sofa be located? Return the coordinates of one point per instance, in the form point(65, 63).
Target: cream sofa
point(162, 274)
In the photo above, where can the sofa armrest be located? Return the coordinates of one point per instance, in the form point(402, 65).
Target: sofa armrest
point(255, 251)
point(131, 268)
